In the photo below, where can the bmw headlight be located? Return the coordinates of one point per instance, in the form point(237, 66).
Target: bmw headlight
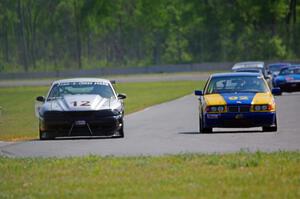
point(213, 109)
point(220, 108)
point(216, 109)
point(257, 108)
point(263, 107)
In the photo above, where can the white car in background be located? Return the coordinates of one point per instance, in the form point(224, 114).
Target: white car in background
point(251, 66)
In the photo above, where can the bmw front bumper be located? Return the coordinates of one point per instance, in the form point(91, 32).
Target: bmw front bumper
point(240, 120)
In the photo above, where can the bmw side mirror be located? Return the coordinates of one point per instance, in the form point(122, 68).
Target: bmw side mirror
point(121, 96)
point(40, 98)
point(276, 91)
point(198, 92)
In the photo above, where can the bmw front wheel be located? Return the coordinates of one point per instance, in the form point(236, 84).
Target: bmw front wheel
point(202, 129)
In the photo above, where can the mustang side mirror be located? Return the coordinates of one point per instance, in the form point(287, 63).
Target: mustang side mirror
point(121, 96)
point(113, 81)
point(276, 91)
point(40, 98)
point(198, 92)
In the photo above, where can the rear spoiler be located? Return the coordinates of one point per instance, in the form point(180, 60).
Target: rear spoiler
point(112, 81)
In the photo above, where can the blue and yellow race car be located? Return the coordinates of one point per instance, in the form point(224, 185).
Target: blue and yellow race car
point(237, 100)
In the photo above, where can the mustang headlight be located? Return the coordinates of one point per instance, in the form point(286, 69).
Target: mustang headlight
point(117, 111)
point(215, 109)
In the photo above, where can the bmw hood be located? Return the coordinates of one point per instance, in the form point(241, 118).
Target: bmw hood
point(238, 98)
point(81, 103)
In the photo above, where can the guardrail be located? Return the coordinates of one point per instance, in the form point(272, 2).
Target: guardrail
point(120, 71)
point(207, 66)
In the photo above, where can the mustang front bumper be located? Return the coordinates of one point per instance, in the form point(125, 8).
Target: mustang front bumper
point(240, 120)
point(81, 123)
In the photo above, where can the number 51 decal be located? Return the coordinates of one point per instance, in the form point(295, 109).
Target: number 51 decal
point(81, 103)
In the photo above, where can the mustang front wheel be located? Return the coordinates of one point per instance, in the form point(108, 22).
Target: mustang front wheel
point(45, 136)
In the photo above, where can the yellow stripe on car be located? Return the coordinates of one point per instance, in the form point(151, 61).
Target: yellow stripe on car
point(214, 99)
point(264, 99)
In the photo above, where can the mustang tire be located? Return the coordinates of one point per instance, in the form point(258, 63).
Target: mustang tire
point(45, 136)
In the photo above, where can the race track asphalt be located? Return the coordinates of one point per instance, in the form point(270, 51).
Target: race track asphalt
point(172, 128)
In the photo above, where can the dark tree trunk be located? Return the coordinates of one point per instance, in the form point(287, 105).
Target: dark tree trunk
point(78, 33)
point(6, 45)
point(292, 12)
point(20, 11)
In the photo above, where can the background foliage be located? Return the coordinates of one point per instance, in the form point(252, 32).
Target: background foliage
point(44, 35)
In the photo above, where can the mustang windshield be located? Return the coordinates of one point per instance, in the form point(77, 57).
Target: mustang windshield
point(232, 84)
point(81, 88)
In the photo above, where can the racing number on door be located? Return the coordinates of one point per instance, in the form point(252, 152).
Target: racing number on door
point(81, 103)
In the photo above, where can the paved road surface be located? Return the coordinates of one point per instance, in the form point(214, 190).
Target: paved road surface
point(171, 128)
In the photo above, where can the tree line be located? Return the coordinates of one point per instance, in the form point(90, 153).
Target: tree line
point(40, 35)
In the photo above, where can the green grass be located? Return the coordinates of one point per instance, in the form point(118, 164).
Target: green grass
point(241, 175)
point(18, 121)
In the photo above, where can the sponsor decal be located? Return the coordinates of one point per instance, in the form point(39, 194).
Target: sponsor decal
point(212, 116)
point(82, 83)
point(238, 98)
point(233, 97)
point(80, 123)
point(244, 98)
point(239, 116)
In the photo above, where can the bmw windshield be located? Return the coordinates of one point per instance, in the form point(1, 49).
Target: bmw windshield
point(81, 88)
point(234, 84)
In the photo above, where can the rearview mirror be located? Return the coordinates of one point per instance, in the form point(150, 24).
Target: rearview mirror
point(121, 96)
point(40, 98)
point(198, 92)
point(276, 91)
